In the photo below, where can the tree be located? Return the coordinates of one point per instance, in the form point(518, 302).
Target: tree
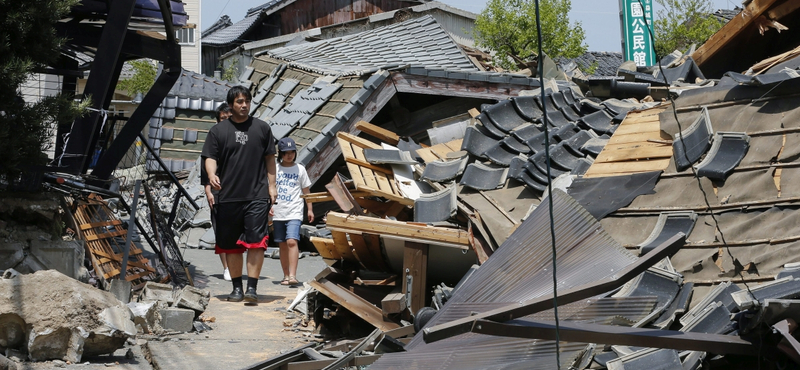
point(509, 28)
point(682, 23)
point(144, 75)
point(28, 42)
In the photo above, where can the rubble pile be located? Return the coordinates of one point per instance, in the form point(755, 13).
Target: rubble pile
point(49, 316)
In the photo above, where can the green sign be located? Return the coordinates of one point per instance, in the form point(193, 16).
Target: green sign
point(636, 38)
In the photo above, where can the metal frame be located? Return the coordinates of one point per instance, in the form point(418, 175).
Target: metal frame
point(115, 43)
point(618, 335)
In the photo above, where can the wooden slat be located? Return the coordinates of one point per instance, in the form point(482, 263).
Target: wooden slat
point(343, 246)
point(373, 244)
point(427, 155)
point(106, 235)
point(664, 151)
point(637, 128)
point(622, 168)
point(369, 166)
point(362, 253)
point(325, 247)
point(100, 224)
point(397, 228)
point(380, 133)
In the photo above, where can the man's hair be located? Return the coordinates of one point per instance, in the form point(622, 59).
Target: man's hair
point(223, 108)
point(236, 91)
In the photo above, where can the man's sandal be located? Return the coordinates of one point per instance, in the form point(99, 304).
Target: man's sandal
point(292, 281)
point(285, 280)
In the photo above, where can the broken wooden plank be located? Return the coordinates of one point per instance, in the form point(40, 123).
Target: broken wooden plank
point(385, 227)
point(325, 247)
point(353, 303)
point(731, 30)
point(407, 83)
point(650, 152)
point(623, 168)
point(379, 133)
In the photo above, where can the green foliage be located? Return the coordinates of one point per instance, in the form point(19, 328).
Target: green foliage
point(231, 72)
point(682, 23)
point(144, 75)
point(509, 28)
point(28, 42)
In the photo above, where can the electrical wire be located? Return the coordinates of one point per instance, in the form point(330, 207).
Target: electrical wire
point(540, 68)
point(737, 266)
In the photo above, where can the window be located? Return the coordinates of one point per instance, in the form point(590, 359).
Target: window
point(185, 36)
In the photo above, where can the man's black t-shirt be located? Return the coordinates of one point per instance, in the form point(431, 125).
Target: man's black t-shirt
point(239, 149)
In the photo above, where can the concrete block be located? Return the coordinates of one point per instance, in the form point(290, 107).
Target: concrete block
point(145, 315)
point(193, 298)
point(157, 292)
point(64, 256)
point(11, 254)
point(30, 265)
point(176, 319)
point(121, 289)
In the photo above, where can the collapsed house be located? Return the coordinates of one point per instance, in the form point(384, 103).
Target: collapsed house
point(622, 168)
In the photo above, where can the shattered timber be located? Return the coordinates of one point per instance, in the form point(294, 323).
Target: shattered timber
point(674, 189)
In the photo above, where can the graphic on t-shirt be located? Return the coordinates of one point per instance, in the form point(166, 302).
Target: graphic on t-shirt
point(241, 137)
point(286, 181)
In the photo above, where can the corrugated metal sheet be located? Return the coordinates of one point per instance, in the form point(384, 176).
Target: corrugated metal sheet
point(520, 270)
point(306, 14)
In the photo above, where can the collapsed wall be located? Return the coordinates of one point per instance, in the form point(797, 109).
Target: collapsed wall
point(50, 316)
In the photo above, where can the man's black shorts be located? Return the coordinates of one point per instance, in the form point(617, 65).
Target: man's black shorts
point(242, 225)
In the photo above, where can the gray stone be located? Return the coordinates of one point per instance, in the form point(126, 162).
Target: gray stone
point(202, 218)
point(15, 355)
point(145, 316)
point(84, 322)
point(121, 289)
point(11, 254)
point(156, 292)
point(64, 256)
point(193, 298)
point(176, 319)
point(30, 265)
point(208, 240)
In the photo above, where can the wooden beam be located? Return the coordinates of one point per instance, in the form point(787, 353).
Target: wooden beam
point(393, 303)
point(330, 152)
point(415, 268)
point(380, 226)
point(407, 83)
point(731, 30)
point(353, 303)
point(380, 133)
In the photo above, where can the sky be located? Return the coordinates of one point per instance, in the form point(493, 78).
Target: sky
point(599, 18)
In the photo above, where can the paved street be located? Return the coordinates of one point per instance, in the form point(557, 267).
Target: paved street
point(242, 335)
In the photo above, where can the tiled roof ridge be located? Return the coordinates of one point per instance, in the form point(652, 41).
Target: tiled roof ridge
point(221, 23)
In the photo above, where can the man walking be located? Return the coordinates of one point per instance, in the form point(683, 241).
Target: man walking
point(240, 161)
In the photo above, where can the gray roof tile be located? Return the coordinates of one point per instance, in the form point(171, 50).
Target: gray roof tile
point(395, 44)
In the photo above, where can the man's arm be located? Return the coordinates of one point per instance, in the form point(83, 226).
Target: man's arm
point(309, 205)
point(211, 169)
point(271, 168)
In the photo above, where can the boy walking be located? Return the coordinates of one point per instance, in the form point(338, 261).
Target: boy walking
point(287, 214)
point(240, 161)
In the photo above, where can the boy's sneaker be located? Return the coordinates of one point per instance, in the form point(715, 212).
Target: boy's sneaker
point(250, 297)
point(226, 275)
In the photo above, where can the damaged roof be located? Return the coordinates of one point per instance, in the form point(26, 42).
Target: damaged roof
point(421, 41)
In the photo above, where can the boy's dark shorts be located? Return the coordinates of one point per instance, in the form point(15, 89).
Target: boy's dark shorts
point(242, 225)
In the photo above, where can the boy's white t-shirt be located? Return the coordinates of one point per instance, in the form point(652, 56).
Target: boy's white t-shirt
point(291, 181)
